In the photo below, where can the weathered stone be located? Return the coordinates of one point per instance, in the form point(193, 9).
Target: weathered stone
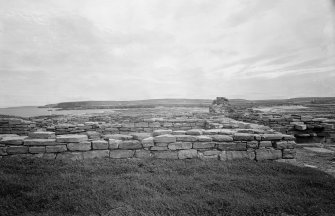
point(243, 137)
point(159, 148)
point(289, 153)
point(130, 144)
point(147, 142)
point(232, 146)
point(195, 132)
point(212, 152)
point(142, 154)
point(55, 148)
point(120, 136)
point(121, 153)
point(13, 140)
point(161, 132)
point(180, 145)
point(42, 135)
point(233, 155)
point(83, 146)
point(284, 144)
point(141, 124)
point(268, 154)
point(140, 136)
point(99, 144)
point(70, 156)
point(203, 145)
point(165, 154)
point(17, 149)
point(252, 144)
point(218, 131)
point(300, 127)
point(204, 139)
point(222, 138)
point(187, 154)
point(94, 135)
point(3, 151)
point(265, 144)
point(39, 142)
point(185, 138)
point(71, 138)
point(36, 149)
point(96, 154)
point(154, 124)
point(166, 138)
point(179, 132)
point(113, 143)
point(270, 137)
point(162, 144)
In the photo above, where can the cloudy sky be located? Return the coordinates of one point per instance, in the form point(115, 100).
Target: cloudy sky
point(69, 50)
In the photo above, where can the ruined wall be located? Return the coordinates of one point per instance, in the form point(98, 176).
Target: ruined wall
point(16, 126)
point(304, 127)
point(217, 144)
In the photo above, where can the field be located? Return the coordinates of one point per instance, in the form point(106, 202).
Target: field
point(162, 187)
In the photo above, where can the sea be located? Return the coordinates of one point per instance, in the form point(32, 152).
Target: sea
point(33, 111)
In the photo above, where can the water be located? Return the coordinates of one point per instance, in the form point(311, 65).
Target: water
point(35, 111)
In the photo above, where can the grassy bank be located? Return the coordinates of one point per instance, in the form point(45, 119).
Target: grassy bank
point(160, 187)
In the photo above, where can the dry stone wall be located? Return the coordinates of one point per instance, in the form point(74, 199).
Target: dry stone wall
point(217, 144)
point(16, 126)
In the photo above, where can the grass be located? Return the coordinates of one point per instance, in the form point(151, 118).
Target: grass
point(162, 187)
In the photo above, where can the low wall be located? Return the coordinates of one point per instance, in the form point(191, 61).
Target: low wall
point(305, 128)
point(219, 144)
point(16, 126)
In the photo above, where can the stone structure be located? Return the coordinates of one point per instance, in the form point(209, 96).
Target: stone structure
point(16, 126)
point(217, 144)
point(221, 106)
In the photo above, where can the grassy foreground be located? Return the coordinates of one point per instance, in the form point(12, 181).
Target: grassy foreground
point(162, 187)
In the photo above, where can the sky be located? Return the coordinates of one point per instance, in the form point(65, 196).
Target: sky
point(68, 50)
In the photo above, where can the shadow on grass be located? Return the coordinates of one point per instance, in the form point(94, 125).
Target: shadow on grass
point(162, 187)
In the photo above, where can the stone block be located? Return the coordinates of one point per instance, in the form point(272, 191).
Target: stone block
point(141, 124)
point(284, 145)
point(203, 145)
point(185, 138)
point(252, 144)
point(70, 156)
point(55, 148)
point(39, 142)
point(83, 146)
point(71, 138)
point(165, 154)
point(99, 144)
point(42, 135)
point(194, 132)
point(147, 142)
point(13, 140)
point(159, 148)
point(118, 136)
point(96, 154)
point(268, 154)
point(17, 149)
point(180, 145)
point(235, 155)
point(289, 153)
point(222, 138)
point(211, 152)
point(140, 136)
point(142, 154)
point(179, 132)
point(218, 131)
point(243, 137)
point(187, 154)
point(204, 139)
point(94, 135)
point(161, 132)
point(166, 138)
point(272, 137)
point(232, 146)
point(154, 124)
point(36, 149)
point(121, 154)
point(300, 127)
point(130, 144)
point(113, 143)
point(265, 144)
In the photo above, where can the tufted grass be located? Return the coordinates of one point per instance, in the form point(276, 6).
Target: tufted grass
point(162, 187)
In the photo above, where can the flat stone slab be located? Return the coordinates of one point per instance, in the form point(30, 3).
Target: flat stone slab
point(13, 140)
point(318, 150)
point(71, 138)
point(39, 142)
point(42, 135)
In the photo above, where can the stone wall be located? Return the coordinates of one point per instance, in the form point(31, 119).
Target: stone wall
point(305, 128)
point(218, 144)
point(16, 126)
